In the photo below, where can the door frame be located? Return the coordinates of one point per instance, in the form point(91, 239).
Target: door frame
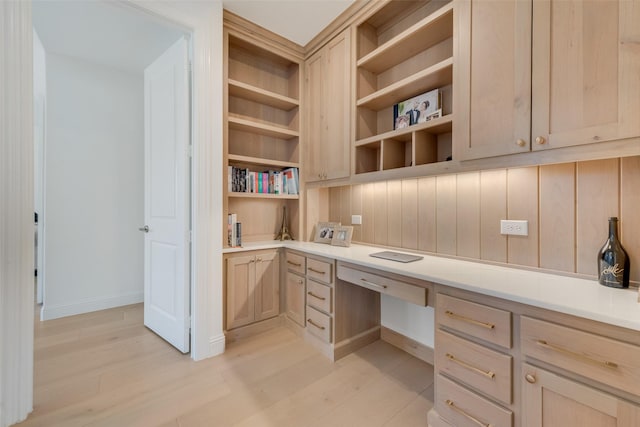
point(204, 21)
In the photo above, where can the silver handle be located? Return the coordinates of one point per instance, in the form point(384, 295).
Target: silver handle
point(145, 228)
point(375, 285)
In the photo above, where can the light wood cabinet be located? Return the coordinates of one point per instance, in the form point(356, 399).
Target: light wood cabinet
point(403, 49)
point(262, 133)
point(551, 400)
point(252, 288)
point(328, 89)
point(295, 287)
point(568, 72)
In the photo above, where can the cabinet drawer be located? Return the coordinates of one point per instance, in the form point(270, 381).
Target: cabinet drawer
point(319, 324)
point(487, 323)
point(606, 360)
point(488, 371)
point(463, 408)
point(320, 270)
point(319, 296)
point(295, 263)
point(405, 291)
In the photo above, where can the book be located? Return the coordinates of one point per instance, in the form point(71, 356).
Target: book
point(232, 220)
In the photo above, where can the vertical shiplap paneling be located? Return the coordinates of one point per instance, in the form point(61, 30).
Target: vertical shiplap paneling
point(446, 214)
point(356, 209)
point(596, 200)
point(334, 204)
point(368, 213)
point(409, 220)
point(522, 204)
point(468, 215)
point(345, 205)
point(395, 215)
point(630, 212)
point(427, 214)
point(493, 208)
point(557, 217)
point(380, 231)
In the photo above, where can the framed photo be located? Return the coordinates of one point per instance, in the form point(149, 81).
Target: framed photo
point(325, 231)
point(419, 109)
point(342, 236)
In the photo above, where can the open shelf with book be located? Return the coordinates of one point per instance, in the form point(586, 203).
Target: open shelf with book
point(262, 139)
point(404, 53)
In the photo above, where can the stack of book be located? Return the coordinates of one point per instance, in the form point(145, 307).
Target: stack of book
point(234, 231)
point(270, 182)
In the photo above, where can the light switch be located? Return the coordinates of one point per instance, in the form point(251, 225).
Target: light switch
point(356, 219)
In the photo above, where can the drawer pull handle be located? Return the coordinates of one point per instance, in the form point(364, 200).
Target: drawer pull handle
point(375, 285)
point(316, 296)
point(469, 320)
point(584, 357)
point(300, 281)
point(464, 413)
point(295, 264)
point(322, 328)
point(464, 364)
point(316, 271)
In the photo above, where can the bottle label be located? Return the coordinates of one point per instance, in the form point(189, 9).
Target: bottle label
point(614, 273)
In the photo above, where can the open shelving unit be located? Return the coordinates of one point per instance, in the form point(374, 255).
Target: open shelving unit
point(262, 116)
point(404, 49)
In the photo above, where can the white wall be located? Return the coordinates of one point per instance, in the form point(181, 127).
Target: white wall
point(94, 187)
point(407, 319)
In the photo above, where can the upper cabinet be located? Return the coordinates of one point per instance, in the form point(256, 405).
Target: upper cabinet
point(262, 134)
point(544, 74)
point(403, 50)
point(328, 89)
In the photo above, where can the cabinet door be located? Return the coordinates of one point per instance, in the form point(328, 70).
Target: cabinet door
point(240, 301)
point(328, 74)
point(586, 72)
point(295, 289)
point(316, 116)
point(337, 144)
point(550, 400)
point(492, 90)
point(267, 294)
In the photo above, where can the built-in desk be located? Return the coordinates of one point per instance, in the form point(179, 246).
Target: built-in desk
point(513, 347)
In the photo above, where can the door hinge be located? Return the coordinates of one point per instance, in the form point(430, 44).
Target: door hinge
point(190, 236)
point(190, 151)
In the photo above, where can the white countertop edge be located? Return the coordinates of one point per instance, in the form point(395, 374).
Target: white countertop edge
point(574, 296)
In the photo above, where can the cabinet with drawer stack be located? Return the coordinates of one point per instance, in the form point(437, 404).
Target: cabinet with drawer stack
point(473, 364)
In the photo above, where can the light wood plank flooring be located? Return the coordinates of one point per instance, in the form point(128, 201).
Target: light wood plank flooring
point(107, 369)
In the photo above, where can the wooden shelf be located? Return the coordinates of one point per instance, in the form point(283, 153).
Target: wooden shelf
point(427, 33)
point(261, 128)
point(436, 76)
point(247, 160)
point(435, 126)
point(263, 195)
point(256, 94)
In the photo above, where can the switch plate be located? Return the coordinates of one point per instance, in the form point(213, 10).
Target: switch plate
point(356, 219)
point(514, 227)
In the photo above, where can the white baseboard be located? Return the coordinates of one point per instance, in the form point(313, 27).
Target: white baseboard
point(216, 345)
point(50, 312)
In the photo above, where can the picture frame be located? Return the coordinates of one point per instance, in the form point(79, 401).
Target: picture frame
point(342, 236)
point(325, 231)
point(416, 110)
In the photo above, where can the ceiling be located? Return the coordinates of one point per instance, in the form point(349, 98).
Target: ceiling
point(109, 33)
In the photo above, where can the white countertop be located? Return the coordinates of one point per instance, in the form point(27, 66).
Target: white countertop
point(574, 296)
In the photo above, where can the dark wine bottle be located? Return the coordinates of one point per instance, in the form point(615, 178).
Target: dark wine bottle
point(613, 261)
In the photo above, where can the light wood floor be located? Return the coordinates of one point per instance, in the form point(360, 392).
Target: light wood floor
point(107, 369)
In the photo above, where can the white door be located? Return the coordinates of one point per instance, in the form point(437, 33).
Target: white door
point(166, 205)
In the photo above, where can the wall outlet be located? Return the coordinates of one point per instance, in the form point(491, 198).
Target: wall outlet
point(514, 227)
point(356, 219)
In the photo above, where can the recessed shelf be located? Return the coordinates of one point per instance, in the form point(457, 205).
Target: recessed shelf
point(263, 195)
point(435, 126)
point(436, 76)
point(256, 94)
point(419, 37)
point(248, 160)
point(261, 128)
